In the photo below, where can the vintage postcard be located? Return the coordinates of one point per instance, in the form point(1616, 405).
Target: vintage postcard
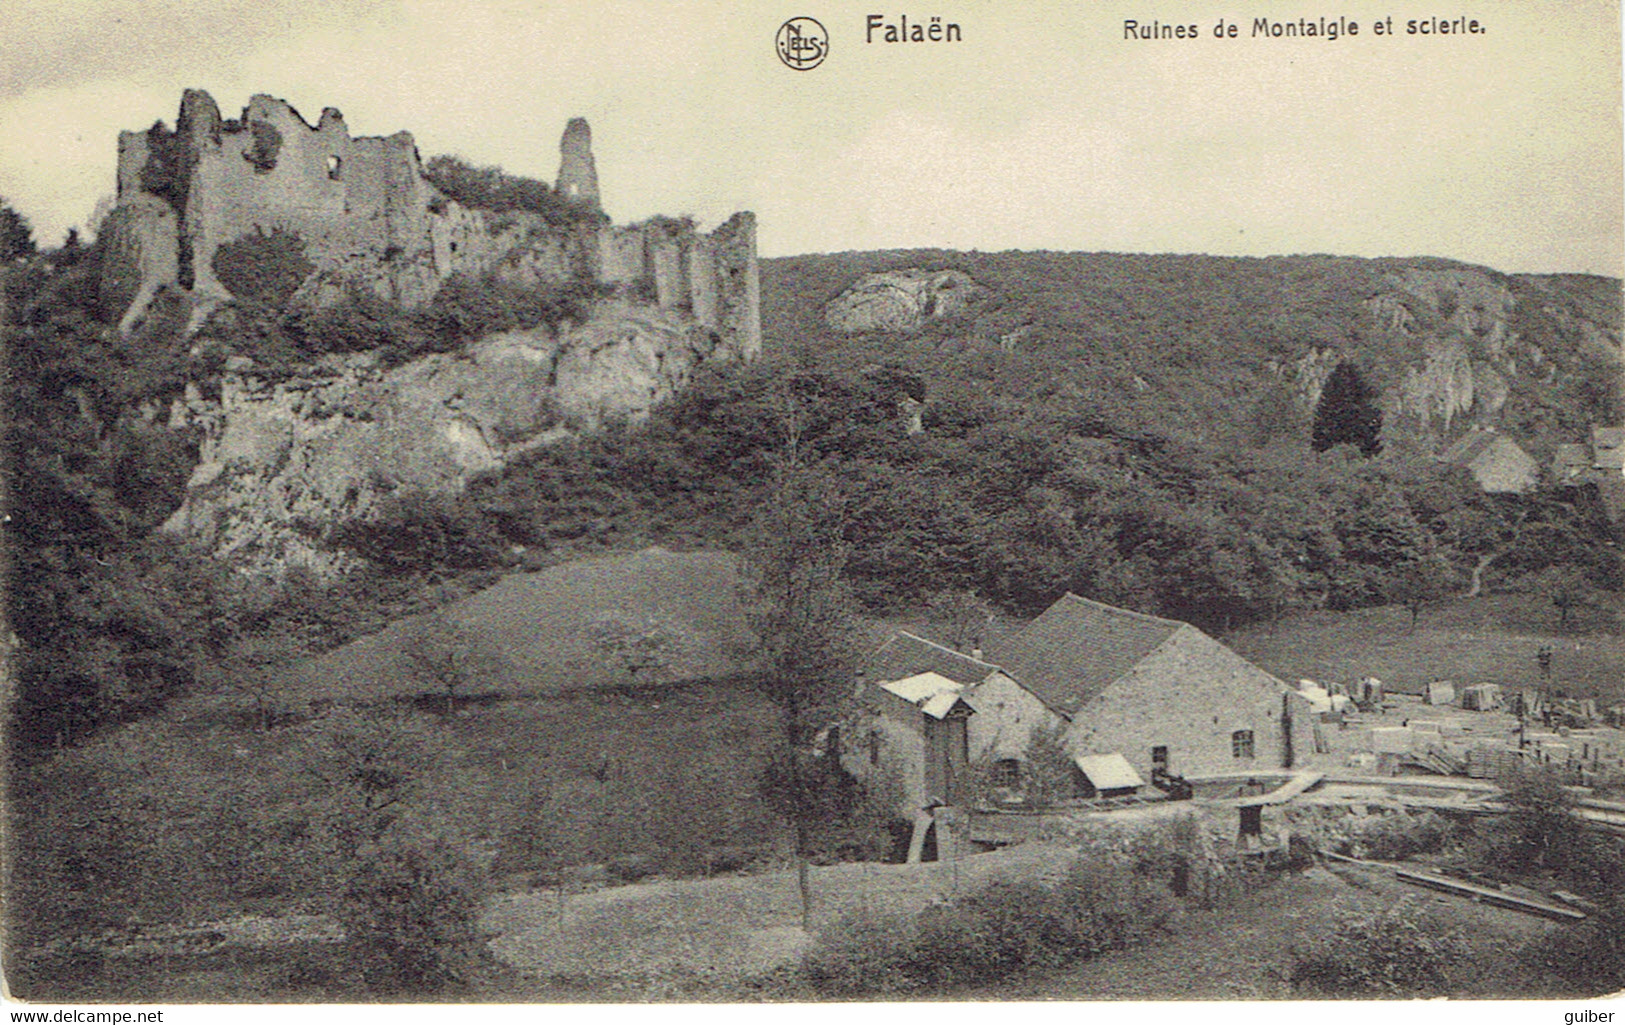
point(674, 503)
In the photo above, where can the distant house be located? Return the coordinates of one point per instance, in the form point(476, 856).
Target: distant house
point(1159, 692)
point(1608, 450)
point(1497, 463)
point(1130, 694)
point(1601, 462)
point(1571, 463)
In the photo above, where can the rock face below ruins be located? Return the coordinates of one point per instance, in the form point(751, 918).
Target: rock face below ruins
point(901, 300)
point(281, 464)
point(269, 209)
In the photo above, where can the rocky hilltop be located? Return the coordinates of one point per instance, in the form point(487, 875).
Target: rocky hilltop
point(901, 300)
point(1198, 341)
point(269, 211)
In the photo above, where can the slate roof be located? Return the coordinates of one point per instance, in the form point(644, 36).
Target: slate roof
point(904, 655)
point(1078, 648)
point(1468, 447)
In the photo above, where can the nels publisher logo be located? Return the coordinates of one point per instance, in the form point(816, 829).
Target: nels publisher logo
point(802, 44)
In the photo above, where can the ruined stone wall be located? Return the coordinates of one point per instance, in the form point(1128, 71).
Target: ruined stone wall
point(361, 214)
point(739, 285)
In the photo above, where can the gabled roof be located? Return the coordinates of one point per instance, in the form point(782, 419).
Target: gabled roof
point(932, 694)
point(1608, 447)
point(1078, 648)
point(1498, 463)
point(905, 654)
point(1468, 447)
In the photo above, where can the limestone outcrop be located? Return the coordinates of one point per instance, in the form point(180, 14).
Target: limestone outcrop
point(282, 463)
point(269, 209)
point(901, 300)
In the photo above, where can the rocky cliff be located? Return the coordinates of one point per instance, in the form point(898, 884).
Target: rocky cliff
point(282, 463)
point(1196, 342)
point(269, 212)
point(901, 300)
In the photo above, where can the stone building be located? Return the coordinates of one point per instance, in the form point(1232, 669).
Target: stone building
point(1157, 691)
point(1497, 463)
point(1124, 689)
point(994, 717)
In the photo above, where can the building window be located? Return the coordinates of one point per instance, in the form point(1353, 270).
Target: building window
point(1007, 772)
point(1241, 744)
point(1159, 758)
point(874, 747)
point(335, 167)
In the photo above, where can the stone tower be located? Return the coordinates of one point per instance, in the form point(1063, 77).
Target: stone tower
point(578, 175)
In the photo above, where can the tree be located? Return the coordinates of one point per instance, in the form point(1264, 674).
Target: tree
point(447, 656)
point(1566, 586)
point(409, 893)
point(963, 614)
point(16, 236)
point(1347, 413)
point(1420, 583)
point(801, 614)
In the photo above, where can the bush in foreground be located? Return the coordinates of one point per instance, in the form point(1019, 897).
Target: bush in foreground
point(998, 931)
point(1588, 958)
point(1400, 951)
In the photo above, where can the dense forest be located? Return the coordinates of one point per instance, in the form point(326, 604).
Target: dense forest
point(1135, 446)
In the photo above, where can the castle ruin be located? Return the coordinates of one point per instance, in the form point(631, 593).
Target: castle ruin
point(359, 213)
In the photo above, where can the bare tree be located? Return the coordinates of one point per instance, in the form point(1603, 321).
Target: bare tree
point(448, 657)
point(801, 612)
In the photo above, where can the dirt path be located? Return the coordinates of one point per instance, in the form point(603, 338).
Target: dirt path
point(726, 928)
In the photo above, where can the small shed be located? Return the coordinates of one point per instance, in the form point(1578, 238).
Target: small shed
point(1481, 697)
point(1440, 692)
point(1108, 775)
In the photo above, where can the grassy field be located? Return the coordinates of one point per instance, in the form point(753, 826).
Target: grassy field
point(736, 939)
point(1489, 639)
point(546, 629)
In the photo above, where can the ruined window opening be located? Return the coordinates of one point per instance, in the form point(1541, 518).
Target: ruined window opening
point(1241, 744)
point(1159, 757)
point(267, 143)
point(335, 168)
point(1007, 772)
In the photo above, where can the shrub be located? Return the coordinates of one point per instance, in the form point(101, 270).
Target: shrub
point(1540, 831)
point(411, 915)
point(417, 532)
point(1397, 836)
point(998, 931)
point(1402, 950)
point(1589, 956)
point(263, 268)
point(493, 189)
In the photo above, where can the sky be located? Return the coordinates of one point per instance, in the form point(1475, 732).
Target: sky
point(1043, 128)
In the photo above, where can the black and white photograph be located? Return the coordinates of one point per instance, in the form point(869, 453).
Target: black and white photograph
point(543, 504)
